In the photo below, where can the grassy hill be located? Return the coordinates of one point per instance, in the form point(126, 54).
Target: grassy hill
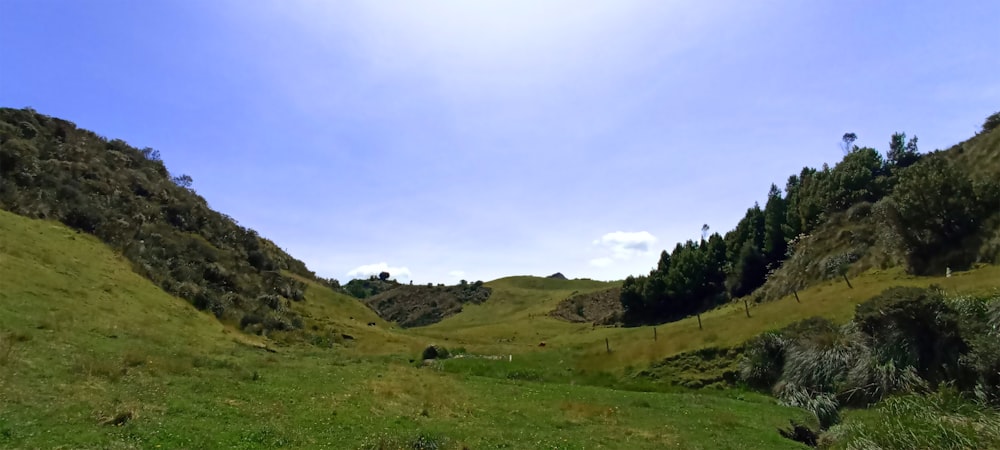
point(93, 355)
point(50, 169)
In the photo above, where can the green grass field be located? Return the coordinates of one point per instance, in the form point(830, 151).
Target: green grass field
point(94, 356)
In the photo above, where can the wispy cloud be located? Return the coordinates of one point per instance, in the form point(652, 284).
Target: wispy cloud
point(626, 244)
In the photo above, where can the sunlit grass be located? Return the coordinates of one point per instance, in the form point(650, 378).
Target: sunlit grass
point(94, 356)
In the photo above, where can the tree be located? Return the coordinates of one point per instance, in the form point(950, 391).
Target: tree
point(663, 265)
point(991, 122)
point(902, 153)
point(749, 271)
point(936, 205)
point(813, 197)
point(749, 229)
point(685, 280)
point(793, 225)
point(185, 181)
point(847, 142)
point(632, 299)
point(383, 275)
point(775, 215)
point(856, 178)
point(715, 270)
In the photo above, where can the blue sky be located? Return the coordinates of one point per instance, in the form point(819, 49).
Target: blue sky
point(479, 139)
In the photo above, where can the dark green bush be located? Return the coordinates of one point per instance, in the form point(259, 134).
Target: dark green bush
point(991, 122)
point(763, 360)
point(915, 327)
point(435, 352)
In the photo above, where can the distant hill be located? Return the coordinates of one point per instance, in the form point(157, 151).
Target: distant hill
point(50, 169)
point(415, 306)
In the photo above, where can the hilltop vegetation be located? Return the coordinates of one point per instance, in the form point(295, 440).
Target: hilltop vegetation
point(927, 213)
point(50, 169)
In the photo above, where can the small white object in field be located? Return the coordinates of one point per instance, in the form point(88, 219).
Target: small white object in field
point(510, 358)
point(947, 272)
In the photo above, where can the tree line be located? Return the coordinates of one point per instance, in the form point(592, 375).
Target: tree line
point(926, 201)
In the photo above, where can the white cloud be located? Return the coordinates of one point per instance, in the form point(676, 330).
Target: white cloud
point(397, 273)
point(626, 244)
point(456, 274)
point(602, 262)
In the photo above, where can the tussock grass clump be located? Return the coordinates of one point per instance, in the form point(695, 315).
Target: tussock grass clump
point(763, 360)
point(943, 420)
point(902, 341)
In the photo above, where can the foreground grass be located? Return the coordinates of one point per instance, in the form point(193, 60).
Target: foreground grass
point(94, 356)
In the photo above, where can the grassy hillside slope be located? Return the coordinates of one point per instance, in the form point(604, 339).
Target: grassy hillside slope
point(50, 169)
point(515, 320)
point(94, 356)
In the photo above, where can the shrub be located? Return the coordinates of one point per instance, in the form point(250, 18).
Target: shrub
point(270, 300)
point(763, 360)
point(913, 326)
point(435, 352)
point(250, 319)
point(979, 320)
point(823, 405)
point(991, 122)
point(821, 363)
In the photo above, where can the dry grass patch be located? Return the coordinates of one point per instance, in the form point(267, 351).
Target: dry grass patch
point(578, 412)
point(419, 392)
